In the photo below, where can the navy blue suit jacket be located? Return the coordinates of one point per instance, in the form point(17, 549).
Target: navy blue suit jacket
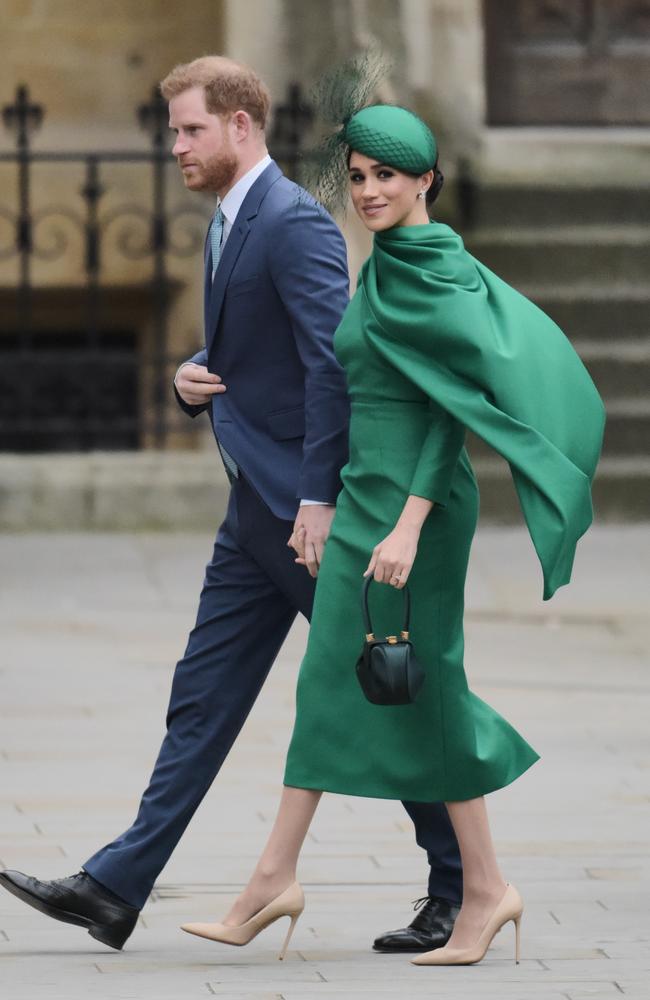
point(278, 295)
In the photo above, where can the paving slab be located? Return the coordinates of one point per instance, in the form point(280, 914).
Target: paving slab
point(90, 628)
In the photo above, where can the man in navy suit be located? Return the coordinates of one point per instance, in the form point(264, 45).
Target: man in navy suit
point(276, 285)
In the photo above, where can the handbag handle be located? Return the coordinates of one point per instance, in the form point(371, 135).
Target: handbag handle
point(370, 636)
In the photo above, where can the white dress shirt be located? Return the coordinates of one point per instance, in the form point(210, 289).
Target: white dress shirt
point(232, 202)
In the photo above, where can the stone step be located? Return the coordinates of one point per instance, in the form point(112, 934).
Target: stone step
point(621, 490)
point(597, 312)
point(515, 205)
point(566, 256)
point(627, 431)
point(112, 491)
point(621, 370)
point(187, 491)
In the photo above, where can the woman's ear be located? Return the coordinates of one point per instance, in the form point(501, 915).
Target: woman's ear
point(426, 180)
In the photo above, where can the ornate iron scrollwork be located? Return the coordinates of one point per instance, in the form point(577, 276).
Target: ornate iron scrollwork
point(97, 236)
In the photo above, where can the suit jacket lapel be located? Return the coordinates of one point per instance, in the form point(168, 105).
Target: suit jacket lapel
point(207, 281)
point(229, 256)
point(215, 291)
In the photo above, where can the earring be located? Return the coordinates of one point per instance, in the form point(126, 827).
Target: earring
point(421, 194)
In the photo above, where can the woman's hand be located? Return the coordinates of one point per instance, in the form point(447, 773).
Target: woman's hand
point(310, 533)
point(393, 558)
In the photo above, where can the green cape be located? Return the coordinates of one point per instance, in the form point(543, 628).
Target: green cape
point(499, 365)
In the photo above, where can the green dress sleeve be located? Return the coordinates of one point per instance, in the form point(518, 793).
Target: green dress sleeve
point(498, 365)
point(438, 457)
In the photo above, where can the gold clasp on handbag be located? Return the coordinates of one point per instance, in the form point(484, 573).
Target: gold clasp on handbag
point(391, 639)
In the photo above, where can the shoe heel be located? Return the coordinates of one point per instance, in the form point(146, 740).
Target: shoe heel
point(517, 923)
point(283, 950)
point(111, 936)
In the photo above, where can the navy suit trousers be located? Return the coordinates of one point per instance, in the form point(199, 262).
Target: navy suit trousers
point(251, 595)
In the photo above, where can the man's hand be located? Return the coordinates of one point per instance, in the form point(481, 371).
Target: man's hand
point(310, 531)
point(196, 385)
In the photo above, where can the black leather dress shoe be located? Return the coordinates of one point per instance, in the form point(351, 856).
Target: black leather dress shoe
point(430, 929)
point(76, 900)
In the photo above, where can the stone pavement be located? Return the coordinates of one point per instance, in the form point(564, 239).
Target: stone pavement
point(91, 626)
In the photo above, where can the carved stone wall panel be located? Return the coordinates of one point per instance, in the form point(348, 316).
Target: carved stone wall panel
point(551, 20)
point(575, 62)
point(630, 20)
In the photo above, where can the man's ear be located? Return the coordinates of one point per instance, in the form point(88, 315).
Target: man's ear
point(241, 124)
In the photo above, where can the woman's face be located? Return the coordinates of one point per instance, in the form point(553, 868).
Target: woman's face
point(384, 197)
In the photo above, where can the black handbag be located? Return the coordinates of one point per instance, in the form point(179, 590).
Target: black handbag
point(388, 671)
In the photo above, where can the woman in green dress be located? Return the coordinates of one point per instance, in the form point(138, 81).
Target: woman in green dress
point(432, 343)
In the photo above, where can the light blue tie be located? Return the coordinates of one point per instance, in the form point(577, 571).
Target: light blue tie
point(216, 237)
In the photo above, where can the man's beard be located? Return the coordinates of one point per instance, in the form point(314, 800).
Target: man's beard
point(216, 173)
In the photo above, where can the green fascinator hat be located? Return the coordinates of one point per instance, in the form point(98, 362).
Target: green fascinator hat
point(384, 132)
point(392, 135)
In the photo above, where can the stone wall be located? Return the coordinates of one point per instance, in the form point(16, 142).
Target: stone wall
point(92, 62)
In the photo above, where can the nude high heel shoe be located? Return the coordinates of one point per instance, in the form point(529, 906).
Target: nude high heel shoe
point(511, 907)
point(289, 903)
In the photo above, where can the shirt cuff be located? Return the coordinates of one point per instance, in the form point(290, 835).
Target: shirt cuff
point(315, 503)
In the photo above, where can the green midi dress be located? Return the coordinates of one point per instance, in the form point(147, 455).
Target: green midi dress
point(432, 342)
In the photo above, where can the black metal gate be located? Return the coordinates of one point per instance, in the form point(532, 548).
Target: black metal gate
point(69, 381)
